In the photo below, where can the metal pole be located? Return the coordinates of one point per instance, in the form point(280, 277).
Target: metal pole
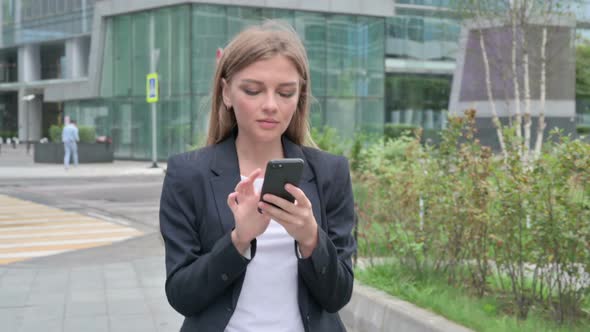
point(28, 111)
point(155, 54)
point(154, 141)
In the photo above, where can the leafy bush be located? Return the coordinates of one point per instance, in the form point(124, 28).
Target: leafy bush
point(87, 134)
point(7, 134)
point(396, 130)
point(583, 129)
point(55, 133)
point(477, 218)
point(327, 139)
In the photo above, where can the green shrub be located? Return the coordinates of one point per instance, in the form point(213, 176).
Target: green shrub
point(327, 139)
point(55, 133)
point(395, 130)
point(583, 129)
point(87, 134)
point(7, 134)
point(477, 218)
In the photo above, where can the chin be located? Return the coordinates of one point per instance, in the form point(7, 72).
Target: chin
point(268, 136)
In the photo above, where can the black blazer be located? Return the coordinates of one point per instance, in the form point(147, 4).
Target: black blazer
point(205, 272)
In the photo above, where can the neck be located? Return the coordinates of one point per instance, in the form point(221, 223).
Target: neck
point(252, 155)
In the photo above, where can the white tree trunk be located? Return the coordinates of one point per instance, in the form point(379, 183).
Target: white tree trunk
point(527, 110)
point(518, 115)
point(495, 118)
point(541, 128)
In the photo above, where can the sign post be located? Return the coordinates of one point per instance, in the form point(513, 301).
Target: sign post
point(152, 95)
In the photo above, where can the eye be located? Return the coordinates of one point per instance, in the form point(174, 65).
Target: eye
point(286, 94)
point(251, 92)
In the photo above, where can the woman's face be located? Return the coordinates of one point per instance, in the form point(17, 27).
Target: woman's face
point(264, 97)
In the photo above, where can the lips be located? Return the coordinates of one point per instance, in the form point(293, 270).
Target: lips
point(267, 123)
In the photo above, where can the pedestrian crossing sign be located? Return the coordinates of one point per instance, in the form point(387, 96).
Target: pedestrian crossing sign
point(152, 88)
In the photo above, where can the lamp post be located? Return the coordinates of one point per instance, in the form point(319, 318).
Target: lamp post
point(27, 99)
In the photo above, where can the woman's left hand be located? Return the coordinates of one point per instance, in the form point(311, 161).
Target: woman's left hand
point(297, 218)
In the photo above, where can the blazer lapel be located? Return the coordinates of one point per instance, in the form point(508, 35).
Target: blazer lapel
point(225, 165)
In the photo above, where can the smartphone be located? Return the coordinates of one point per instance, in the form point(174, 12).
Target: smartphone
point(278, 173)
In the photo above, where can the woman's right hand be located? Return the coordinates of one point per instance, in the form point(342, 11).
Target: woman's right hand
point(243, 203)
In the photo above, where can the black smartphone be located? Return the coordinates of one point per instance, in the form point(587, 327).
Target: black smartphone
point(278, 173)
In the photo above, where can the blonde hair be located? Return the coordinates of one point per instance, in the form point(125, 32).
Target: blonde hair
point(253, 44)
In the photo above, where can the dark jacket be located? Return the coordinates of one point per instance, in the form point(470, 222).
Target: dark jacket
point(205, 272)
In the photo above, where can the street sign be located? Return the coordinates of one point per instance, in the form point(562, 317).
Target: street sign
point(152, 88)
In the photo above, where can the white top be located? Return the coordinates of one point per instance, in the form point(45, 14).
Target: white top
point(268, 299)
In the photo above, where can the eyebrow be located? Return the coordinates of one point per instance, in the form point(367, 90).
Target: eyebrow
point(261, 83)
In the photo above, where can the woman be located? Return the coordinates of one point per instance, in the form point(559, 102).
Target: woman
point(229, 266)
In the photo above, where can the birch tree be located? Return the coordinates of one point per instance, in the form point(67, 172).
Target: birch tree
point(522, 17)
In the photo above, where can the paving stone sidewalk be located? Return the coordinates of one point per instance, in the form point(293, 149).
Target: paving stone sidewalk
point(115, 288)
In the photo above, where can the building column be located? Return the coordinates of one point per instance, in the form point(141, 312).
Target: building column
point(29, 110)
point(77, 53)
point(29, 63)
point(29, 116)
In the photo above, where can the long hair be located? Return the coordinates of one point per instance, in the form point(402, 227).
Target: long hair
point(254, 44)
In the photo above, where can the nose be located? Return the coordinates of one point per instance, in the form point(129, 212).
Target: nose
point(270, 102)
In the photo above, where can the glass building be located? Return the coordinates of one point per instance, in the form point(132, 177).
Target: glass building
point(421, 47)
point(372, 62)
point(89, 60)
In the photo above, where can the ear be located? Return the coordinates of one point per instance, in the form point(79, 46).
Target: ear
point(225, 93)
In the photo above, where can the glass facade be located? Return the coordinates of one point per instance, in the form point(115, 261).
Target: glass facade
point(44, 20)
point(348, 90)
point(417, 35)
point(422, 43)
point(8, 65)
point(433, 3)
point(418, 99)
point(8, 118)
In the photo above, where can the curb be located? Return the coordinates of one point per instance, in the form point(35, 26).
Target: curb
point(371, 310)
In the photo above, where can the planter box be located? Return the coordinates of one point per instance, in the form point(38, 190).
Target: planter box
point(53, 153)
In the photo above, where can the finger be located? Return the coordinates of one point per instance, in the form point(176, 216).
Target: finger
point(232, 201)
point(251, 178)
point(246, 186)
point(242, 186)
point(299, 195)
point(279, 201)
point(254, 174)
point(277, 214)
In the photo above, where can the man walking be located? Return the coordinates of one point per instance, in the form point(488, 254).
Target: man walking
point(69, 136)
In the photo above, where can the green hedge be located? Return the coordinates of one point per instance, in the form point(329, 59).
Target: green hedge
point(87, 134)
point(395, 130)
point(583, 129)
point(478, 218)
point(55, 133)
point(7, 134)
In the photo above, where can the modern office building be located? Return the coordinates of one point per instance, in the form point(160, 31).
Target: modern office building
point(421, 48)
point(89, 59)
point(372, 62)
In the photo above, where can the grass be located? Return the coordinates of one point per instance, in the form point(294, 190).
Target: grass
point(432, 292)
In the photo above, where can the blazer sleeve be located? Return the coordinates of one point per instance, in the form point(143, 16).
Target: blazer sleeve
point(328, 271)
point(194, 279)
